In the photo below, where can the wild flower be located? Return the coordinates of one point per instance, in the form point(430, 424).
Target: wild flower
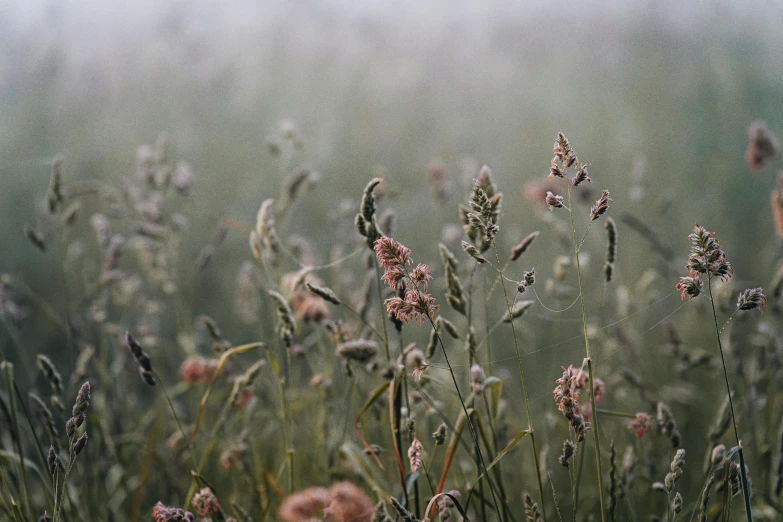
point(440, 435)
point(206, 503)
point(567, 404)
point(143, 360)
point(416, 304)
point(521, 248)
point(601, 206)
point(581, 175)
point(706, 256)
point(752, 298)
point(359, 350)
point(569, 448)
point(554, 201)
point(391, 253)
point(690, 286)
point(414, 455)
point(348, 503)
point(421, 276)
point(197, 369)
point(162, 513)
point(640, 424)
point(477, 378)
point(762, 146)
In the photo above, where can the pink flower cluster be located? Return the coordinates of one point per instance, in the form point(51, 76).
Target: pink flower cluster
point(417, 304)
point(640, 424)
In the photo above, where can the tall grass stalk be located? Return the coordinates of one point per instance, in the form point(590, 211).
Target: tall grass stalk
point(524, 387)
point(8, 375)
point(743, 474)
point(464, 408)
point(587, 354)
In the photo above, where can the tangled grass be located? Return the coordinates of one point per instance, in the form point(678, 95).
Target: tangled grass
point(375, 387)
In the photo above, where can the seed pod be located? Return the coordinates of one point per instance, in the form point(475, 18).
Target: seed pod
point(286, 323)
point(473, 252)
point(359, 350)
point(568, 451)
point(324, 293)
point(440, 434)
point(82, 400)
point(51, 461)
point(611, 248)
point(79, 445)
point(522, 247)
point(448, 326)
point(35, 237)
point(48, 369)
point(518, 310)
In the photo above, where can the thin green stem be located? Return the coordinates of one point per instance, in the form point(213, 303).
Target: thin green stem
point(465, 411)
point(612, 413)
point(589, 359)
point(380, 304)
point(524, 387)
point(176, 418)
point(743, 475)
point(9, 381)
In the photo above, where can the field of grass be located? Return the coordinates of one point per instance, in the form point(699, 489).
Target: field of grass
point(294, 262)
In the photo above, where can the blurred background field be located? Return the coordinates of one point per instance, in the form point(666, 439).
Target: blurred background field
point(663, 88)
point(656, 95)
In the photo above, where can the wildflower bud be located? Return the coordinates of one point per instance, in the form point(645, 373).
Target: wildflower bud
point(554, 170)
point(286, 323)
point(82, 400)
point(581, 176)
point(51, 460)
point(667, 424)
point(677, 503)
point(162, 513)
point(751, 298)
point(70, 427)
point(324, 293)
point(143, 360)
point(676, 470)
point(718, 454)
point(640, 424)
point(762, 146)
point(601, 205)
point(414, 455)
point(359, 350)
point(440, 435)
point(448, 326)
point(477, 379)
point(79, 445)
point(147, 376)
point(532, 511)
point(611, 248)
point(690, 286)
point(473, 252)
point(520, 249)
point(206, 503)
point(658, 486)
point(569, 448)
point(519, 308)
point(48, 369)
point(554, 201)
